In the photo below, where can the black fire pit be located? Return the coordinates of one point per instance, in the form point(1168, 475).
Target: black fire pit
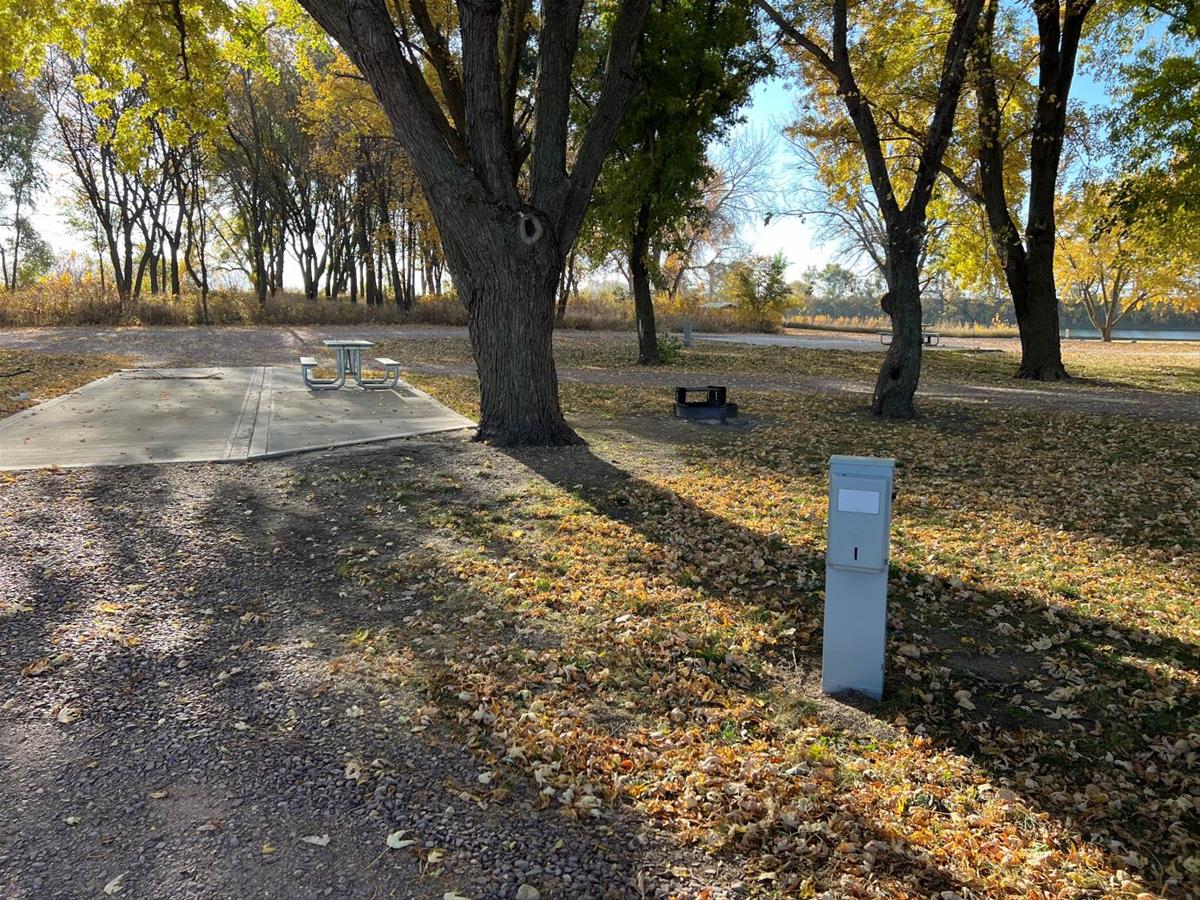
point(713, 408)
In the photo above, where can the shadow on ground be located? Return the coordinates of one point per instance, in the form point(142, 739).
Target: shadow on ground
point(219, 625)
point(1088, 719)
point(192, 722)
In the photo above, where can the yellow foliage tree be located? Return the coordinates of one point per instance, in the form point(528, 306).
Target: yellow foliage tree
point(1112, 268)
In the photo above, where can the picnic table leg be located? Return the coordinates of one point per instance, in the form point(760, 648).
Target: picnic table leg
point(324, 384)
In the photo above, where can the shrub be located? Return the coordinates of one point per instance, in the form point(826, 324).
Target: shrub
point(670, 349)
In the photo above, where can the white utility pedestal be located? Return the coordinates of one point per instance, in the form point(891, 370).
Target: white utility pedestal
point(856, 574)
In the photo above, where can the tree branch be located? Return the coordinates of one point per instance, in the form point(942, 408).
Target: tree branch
point(619, 86)
point(438, 53)
point(557, 45)
point(366, 31)
point(487, 132)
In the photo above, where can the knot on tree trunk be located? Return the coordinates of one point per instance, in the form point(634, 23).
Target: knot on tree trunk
point(529, 227)
point(887, 304)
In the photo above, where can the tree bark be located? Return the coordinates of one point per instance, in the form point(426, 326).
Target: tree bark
point(259, 262)
point(643, 298)
point(16, 244)
point(504, 240)
point(900, 373)
point(508, 288)
point(566, 285)
point(1029, 264)
point(901, 369)
point(1037, 314)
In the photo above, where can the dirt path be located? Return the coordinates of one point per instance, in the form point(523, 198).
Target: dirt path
point(283, 345)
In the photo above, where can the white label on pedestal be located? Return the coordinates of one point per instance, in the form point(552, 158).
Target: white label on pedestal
point(849, 500)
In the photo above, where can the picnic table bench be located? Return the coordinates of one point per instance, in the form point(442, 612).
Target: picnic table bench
point(349, 363)
point(929, 338)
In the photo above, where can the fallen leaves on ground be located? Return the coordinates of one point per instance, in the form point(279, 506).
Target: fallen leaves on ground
point(40, 376)
point(1165, 366)
point(645, 632)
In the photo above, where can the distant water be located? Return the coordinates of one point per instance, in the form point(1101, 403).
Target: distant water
point(1135, 334)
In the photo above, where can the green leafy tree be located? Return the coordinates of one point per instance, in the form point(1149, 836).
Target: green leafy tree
point(1154, 123)
point(21, 177)
point(760, 289)
point(696, 64)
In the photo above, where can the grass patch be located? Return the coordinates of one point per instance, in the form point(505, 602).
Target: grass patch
point(1166, 368)
point(644, 632)
point(28, 377)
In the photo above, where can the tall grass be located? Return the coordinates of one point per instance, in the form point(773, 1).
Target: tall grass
point(70, 300)
point(67, 301)
point(873, 324)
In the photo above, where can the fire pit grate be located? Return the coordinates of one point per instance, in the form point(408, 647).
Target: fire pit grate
point(713, 408)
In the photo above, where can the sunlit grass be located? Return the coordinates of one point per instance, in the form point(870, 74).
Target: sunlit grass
point(1161, 367)
point(1035, 730)
point(28, 377)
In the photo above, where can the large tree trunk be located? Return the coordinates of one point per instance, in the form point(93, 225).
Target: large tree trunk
point(643, 299)
point(901, 369)
point(1037, 319)
point(504, 235)
point(1029, 266)
point(1037, 315)
point(508, 287)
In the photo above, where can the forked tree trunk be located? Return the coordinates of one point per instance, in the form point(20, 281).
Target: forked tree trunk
point(901, 369)
point(1029, 265)
point(505, 235)
point(643, 299)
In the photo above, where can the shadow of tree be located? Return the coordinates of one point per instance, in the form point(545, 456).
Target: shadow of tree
point(208, 625)
point(240, 569)
point(1088, 719)
point(1126, 482)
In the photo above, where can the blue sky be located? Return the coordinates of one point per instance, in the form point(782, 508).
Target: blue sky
point(770, 108)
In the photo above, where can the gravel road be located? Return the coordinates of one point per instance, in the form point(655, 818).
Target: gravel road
point(174, 722)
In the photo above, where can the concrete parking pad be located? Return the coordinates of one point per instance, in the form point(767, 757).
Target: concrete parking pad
point(227, 414)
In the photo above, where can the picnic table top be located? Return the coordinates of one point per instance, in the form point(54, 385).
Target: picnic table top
point(354, 342)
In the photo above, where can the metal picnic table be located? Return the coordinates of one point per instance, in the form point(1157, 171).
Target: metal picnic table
point(349, 362)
